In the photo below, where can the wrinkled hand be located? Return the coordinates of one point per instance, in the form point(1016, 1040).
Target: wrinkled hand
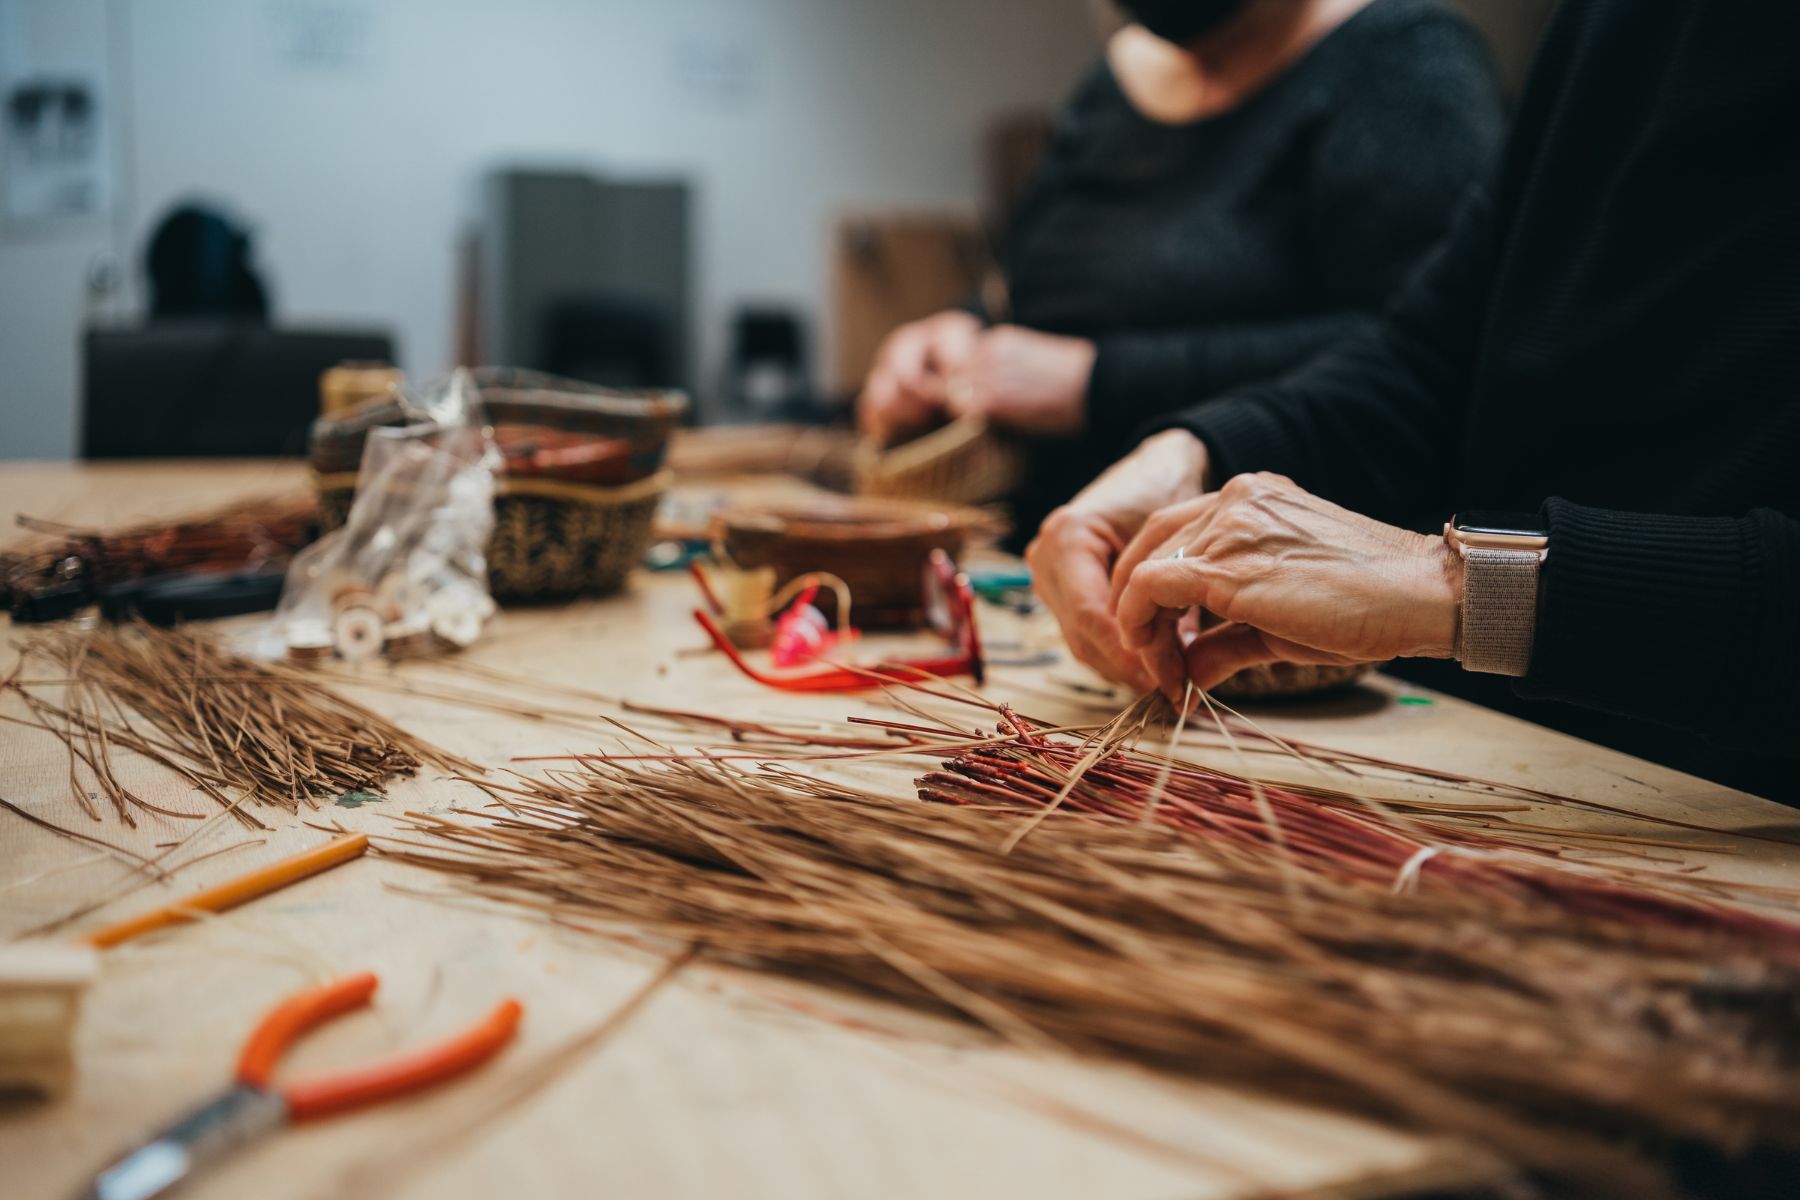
point(1025, 380)
point(1072, 556)
point(1292, 578)
point(906, 386)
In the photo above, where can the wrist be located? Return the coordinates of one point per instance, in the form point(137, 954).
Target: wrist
point(1183, 457)
point(1443, 577)
point(1080, 374)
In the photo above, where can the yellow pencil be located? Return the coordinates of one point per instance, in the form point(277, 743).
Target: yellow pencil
point(236, 891)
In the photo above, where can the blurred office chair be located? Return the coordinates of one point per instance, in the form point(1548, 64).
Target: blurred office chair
point(209, 388)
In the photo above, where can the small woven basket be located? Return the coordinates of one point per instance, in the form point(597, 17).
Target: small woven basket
point(575, 501)
point(1290, 679)
point(553, 540)
point(965, 462)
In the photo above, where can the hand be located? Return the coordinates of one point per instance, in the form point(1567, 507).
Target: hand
point(1025, 380)
point(1072, 556)
point(1294, 579)
point(905, 388)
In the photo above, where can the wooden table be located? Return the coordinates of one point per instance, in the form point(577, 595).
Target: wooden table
point(722, 1083)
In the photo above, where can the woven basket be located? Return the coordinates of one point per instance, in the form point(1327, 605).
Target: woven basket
point(965, 462)
point(877, 546)
point(1290, 679)
point(552, 539)
point(576, 498)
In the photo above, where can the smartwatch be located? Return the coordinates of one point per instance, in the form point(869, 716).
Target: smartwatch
point(1502, 553)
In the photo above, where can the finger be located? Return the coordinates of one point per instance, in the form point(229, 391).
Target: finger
point(1163, 525)
point(1163, 658)
point(1094, 639)
point(908, 358)
point(874, 405)
point(955, 349)
point(963, 396)
point(1073, 581)
point(1223, 651)
point(1158, 584)
point(1103, 655)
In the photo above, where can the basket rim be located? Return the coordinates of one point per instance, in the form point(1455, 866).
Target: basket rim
point(537, 485)
point(926, 452)
point(881, 517)
point(515, 384)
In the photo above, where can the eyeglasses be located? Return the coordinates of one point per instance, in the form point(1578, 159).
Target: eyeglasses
point(948, 603)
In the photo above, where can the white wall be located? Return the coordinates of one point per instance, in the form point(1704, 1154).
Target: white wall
point(356, 160)
point(43, 268)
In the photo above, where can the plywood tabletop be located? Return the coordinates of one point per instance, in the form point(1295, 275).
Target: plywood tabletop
point(721, 1082)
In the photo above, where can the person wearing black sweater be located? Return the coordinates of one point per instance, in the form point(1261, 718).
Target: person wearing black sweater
point(1217, 205)
point(1609, 336)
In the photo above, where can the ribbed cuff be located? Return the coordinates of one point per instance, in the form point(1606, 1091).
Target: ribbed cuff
point(1127, 386)
point(1648, 616)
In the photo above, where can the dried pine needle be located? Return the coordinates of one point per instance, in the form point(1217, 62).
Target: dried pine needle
point(1551, 1037)
point(236, 729)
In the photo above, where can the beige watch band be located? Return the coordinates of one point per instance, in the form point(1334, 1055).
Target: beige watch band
point(1499, 610)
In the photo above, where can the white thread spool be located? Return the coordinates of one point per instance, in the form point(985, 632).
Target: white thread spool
point(308, 641)
point(357, 633)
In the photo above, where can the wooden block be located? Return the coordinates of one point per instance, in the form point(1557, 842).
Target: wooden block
point(41, 985)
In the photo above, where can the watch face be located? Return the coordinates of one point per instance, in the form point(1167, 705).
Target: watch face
point(1488, 520)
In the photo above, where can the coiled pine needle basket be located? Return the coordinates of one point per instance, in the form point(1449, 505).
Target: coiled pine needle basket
point(964, 462)
point(575, 501)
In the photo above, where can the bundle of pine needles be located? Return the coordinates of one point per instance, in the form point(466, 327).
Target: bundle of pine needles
point(1555, 1040)
point(235, 728)
point(1326, 831)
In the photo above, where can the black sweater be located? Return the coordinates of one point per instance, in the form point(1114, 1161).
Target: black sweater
point(1614, 325)
point(1210, 254)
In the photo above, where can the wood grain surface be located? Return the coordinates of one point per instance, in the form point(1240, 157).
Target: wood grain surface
point(719, 1083)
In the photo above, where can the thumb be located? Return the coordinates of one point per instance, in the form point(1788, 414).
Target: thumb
point(962, 395)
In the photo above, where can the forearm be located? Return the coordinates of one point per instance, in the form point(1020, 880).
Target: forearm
point(1140, 377)
point(1687, 621)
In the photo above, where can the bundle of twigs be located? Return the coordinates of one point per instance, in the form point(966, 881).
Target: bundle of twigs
point(242, 534)
point(1556, 1040)
point(235, 728)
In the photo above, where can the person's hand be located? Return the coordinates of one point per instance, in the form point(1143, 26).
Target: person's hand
point(1292, 578)
point(1072, 556)
point(1025, 380)
point(906, 386)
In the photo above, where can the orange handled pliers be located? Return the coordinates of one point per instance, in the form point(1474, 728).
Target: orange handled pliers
point(255, 1105)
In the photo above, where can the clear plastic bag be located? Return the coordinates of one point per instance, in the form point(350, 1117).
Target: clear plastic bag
point(407, 573)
